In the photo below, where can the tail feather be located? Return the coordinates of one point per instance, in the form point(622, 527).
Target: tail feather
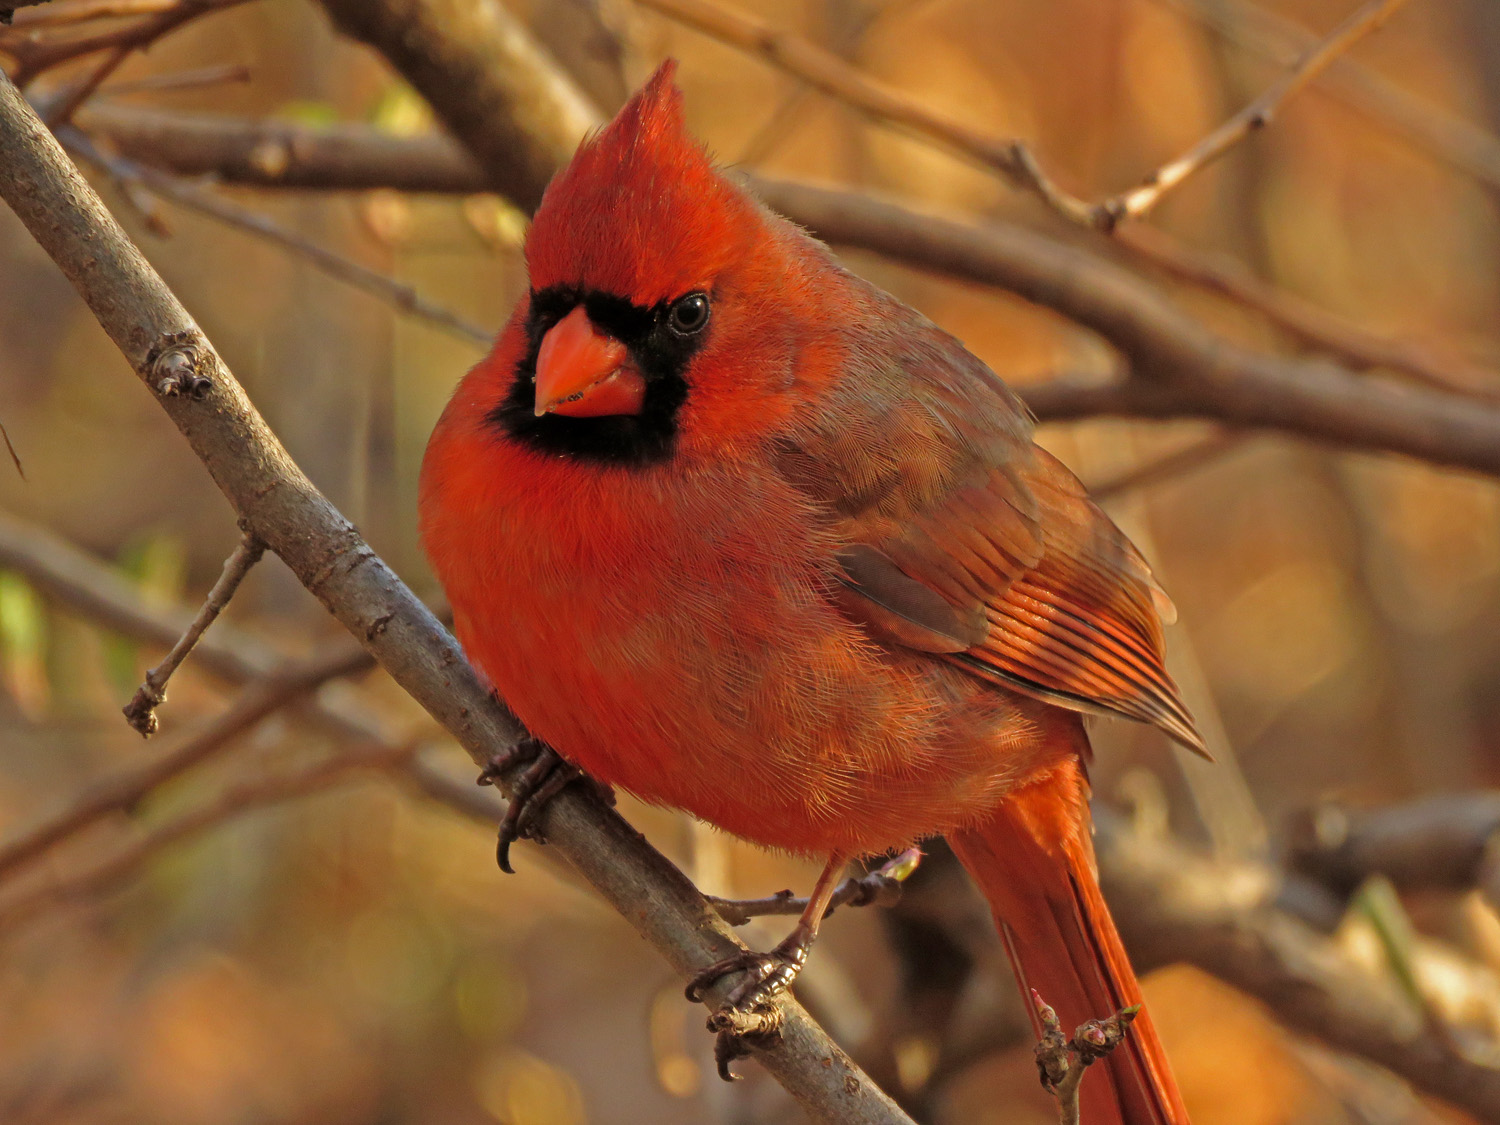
point(1035, 865)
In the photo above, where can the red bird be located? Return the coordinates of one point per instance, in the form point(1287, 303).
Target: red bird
point(734, 530)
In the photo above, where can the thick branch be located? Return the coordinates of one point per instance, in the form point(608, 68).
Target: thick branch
point(1174, 906)
point(1179, 368)
point(1446, 841)
point(521, 121)
point(271, 153)
point(277, 503)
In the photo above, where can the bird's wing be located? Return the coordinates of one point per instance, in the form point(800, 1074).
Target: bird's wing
point(966, 540)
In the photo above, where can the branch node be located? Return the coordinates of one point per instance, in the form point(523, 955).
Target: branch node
point(1061, 1062)
point(175, 367)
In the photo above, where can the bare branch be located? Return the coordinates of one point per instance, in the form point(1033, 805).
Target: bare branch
point(377, 284)
point(1135, 203)
point(520, 120)
point(235, 801)
point(352, 157)
point(1011, 158)
point(35, 57)
point(140, 712)
point(1451, 139)
point(1179, 368)
point(1449, 841)
point(1172, 906)
point(276, 502)
point(125, 790)
point(1304, 321)
point(62, 13)
point(180, 80)
point(1169, 465)
point(283, 154)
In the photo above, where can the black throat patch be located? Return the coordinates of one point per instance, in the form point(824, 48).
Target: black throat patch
point(660, 354)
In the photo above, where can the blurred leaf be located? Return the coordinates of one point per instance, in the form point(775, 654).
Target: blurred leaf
point(1377, 901)
point(308, 111)
point(401, 110)
point(23, 645)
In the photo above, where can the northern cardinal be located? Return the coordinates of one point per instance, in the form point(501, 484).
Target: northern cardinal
point(734, 530)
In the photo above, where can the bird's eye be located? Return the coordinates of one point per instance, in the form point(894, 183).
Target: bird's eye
point(688, 315)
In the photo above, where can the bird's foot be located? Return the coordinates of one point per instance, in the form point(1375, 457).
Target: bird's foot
point(544, 776)
point(748, 1014)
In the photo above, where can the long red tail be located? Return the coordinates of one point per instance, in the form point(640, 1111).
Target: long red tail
point(1035, 864)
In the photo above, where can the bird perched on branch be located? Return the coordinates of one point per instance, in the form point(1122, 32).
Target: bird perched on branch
point(734, 530)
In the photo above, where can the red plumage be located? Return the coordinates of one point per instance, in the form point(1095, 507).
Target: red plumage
point(823, 591)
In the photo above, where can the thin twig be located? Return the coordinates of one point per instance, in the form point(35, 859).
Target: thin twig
point(1136, 202)
point(277, 502)
point(1062, 1062)
point(34, 58)
point(233, 802)
point(180, 80)
point(1169, 465)
point(1459, 143)
point(1010, 157)
point(1304, 321)
point(881, 887)
point(140, 712)
point(125, 790)
point(377, 284)
point(63, 13)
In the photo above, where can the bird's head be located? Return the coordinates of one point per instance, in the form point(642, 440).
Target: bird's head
point(654, 281)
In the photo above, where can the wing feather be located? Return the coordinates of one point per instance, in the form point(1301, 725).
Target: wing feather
point(947, 492)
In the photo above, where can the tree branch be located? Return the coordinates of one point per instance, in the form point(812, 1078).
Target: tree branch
point(336, 266)
point(1449, 841)
point(1179, 368)
point(521, 121)
point(276, 502)
point(1172, 905)
point(125, 790)
point(1136, 202)
point(140, 712)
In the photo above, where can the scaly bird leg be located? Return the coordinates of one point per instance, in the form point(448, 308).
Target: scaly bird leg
point(747, 1012)
point(544, 776)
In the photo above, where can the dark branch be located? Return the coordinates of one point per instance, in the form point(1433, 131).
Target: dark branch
point(472, 57)
point(1447, 841)
point(1174, 906)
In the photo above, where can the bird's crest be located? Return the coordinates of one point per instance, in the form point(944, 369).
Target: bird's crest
point(640, 212)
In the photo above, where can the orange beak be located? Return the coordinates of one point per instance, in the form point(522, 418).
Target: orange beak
point(582, 373)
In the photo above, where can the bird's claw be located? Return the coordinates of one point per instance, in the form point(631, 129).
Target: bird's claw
point(544, 776)
point(748, 1013)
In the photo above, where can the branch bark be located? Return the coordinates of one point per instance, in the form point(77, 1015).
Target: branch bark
point(472, 57)
point(1450, 841)
point(276, 502)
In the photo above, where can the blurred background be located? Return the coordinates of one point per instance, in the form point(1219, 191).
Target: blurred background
point(352, 954)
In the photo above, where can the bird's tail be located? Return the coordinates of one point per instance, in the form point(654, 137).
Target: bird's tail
point(1034, 862)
